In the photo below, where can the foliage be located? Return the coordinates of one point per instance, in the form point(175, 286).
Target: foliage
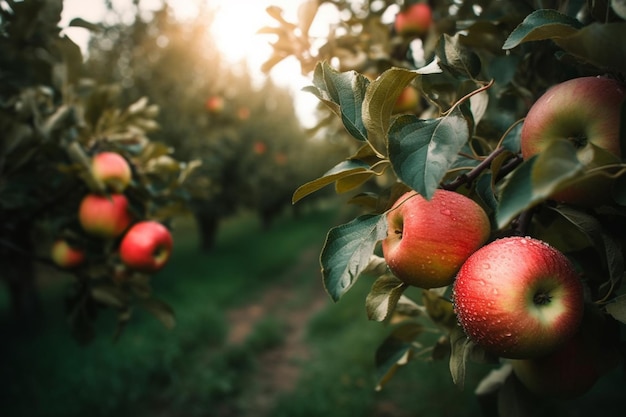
point(54, 120)
point(478, 71)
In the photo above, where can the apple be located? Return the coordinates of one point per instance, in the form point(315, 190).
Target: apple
point(585, 111)
point(65, 255)
point(112, 170)
point(280, 158)
point(214, 104)
point(518, 298)
point(414, 20)
point(574, 368)
point(259, 147)
point(407, 100)
point(243, 113)
point(146, 247)
point(428, 240)
point(104, 216)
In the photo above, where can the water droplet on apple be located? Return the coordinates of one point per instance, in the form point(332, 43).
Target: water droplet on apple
point(446, 212)
point(486, 266)
point(494, 291)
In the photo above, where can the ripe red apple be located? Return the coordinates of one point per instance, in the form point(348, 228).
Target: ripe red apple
point(104, 216)
point(414, 20)
point(259, 147)
point(574, 368)
point(112, 169)
point(428, 240)
point(146, 247)
point(65, 255)
point(585, 111)
point(214, 104)
point(518, 298)
point(407, 100)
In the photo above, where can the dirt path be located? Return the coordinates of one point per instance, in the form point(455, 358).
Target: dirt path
point(279, 368)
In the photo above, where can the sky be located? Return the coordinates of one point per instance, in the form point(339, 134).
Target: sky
point(235, 32)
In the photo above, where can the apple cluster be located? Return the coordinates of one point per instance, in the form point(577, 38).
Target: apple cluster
point(517, 297)
point(145, 246)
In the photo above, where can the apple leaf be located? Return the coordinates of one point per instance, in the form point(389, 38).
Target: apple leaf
point(347, 252)
point(540, 25)
point(343, 93)
point(395, 351)
point(460, 346)
point(440, 310)
point(380, 98)
point(537, 178)
point(383, 297)
point(457, 58)
point(340, 171)
point(422, 151)
point(617, 308)
point(608, 248)
point(110, 295)
point(494, 380)
point(600, 44)
point(159, 309)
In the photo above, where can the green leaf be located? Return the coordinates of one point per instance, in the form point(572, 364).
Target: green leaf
point(600, 44)
point(395, 351)
point(380, 98)
point(540, 25)
point(343, 93)
point(339, 171)
point(606, 246)
point(460, 60)
point(347, 252)
point(383, 297)
point(617, 308)
point(440, 310)
point(159, 309)
point(82, 23)
point(538, 178)
point(461, 348)
point(422, 151)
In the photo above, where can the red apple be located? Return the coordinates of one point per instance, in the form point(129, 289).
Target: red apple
point(111, 169)
point(415, 20)
point(518, 298)
point(585, 111)
point(243, 113)
point(214, 104)
point(428, 240)
point(65, 255)
point(407, 100)
point(104, 216)
point(574, 368)
point(146, 247)
point(259, 148)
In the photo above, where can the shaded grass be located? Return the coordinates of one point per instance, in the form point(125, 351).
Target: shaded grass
point(149, 369)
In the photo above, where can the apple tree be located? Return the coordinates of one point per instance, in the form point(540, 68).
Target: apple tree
point(56, 123)
point(480, 68)
point(245, 131)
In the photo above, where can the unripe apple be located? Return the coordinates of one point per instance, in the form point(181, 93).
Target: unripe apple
point(112, 170)
point(104, 216)
point(214, 104)
point(428, 240)
point(407, 100)
point(586, 111)
point(146, 247)
point(518, 298)
point(574, 368)
point(415, 20)
point(65, 255)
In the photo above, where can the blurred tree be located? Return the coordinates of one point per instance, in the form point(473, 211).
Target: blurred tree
point(253, 148)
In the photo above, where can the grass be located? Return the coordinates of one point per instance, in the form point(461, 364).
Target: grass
point(192, 370)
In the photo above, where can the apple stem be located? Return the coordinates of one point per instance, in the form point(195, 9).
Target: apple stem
point(542, 298)
point(469, 177)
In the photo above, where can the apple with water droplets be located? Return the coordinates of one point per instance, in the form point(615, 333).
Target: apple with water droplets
point(428, 240)
point(586, 111)
point(518, 298)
